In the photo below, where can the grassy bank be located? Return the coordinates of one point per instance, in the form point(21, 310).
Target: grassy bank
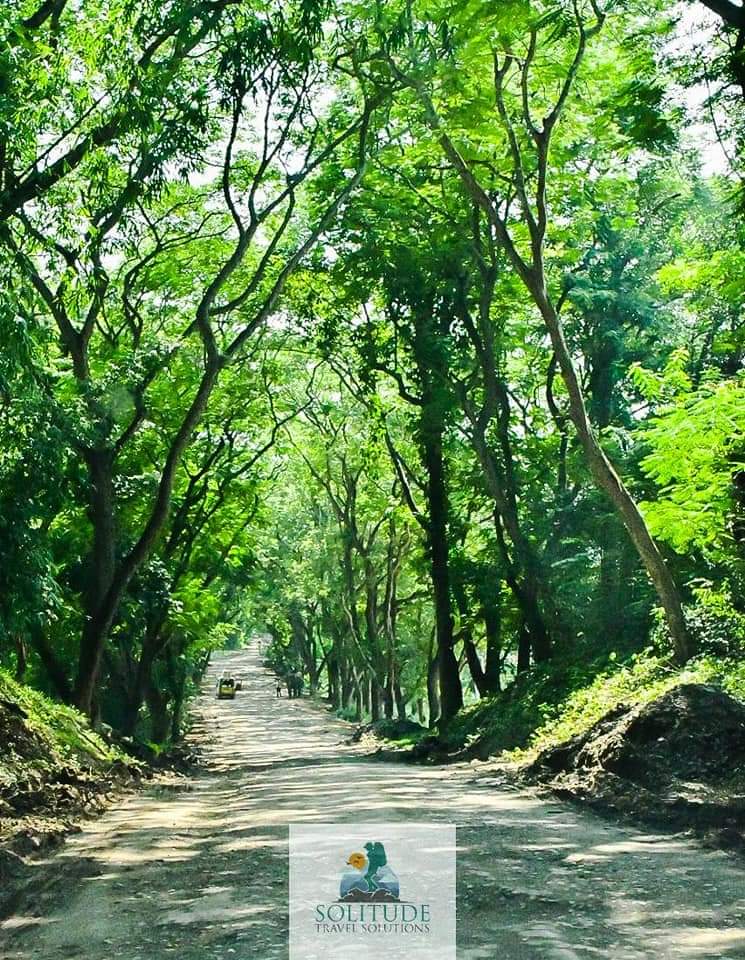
point(52, 764)
point(545, 708)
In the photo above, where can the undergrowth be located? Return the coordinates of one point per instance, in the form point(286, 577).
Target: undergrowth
point(541, 709)
point(40, 734)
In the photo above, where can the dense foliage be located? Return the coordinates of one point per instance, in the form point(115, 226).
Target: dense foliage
point(411, 334)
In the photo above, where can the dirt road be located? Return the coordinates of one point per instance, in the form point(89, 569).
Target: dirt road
point(201, 874)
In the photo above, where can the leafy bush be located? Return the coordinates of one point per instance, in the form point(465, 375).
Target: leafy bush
point(717, 628)
point(715, 625)
point(696, 449)
point(347, 713)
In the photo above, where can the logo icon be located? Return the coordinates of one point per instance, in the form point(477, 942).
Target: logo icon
point(372, 891)
point(369, 878)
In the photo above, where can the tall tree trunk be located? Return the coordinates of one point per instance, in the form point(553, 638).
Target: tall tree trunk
point(393, 694)
point(52, 665)
point(433, 696)
point(451, 692)
point(400, 699)
point(160, 722)
point(99, 623)
point(372, 630)
point(474, 663)
point(177, 679)
point(532, 273)
point(153, 644)
point(525, 578)
point(21, 658)
point(388, 703)
point(523, 650)
point(466, 631)
point(533, 637)
point(608, 480)
point(332, 673)
point(492, 629)
point(101, 567)
point(347, 686)
point(430, 358)
point(374, 699)
point(530, 585)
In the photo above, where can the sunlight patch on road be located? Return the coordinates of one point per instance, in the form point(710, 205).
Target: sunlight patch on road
point(214, 910)
point(694, 942)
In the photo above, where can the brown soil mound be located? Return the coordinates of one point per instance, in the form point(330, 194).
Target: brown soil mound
point(677, 761)
point(54, 770)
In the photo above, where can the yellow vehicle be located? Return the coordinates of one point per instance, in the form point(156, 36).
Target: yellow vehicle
point(226, 687)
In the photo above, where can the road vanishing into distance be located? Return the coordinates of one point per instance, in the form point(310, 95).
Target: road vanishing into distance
point(200, 872)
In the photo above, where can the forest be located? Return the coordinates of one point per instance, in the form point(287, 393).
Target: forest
point(408, 334)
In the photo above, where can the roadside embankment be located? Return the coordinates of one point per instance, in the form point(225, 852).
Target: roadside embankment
point(54, 770)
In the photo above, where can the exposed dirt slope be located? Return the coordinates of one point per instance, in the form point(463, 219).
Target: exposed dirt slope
point(679, 760)
point(53, 769)
point(201, 873)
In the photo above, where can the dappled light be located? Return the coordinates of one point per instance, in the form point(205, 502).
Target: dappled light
point(372, 465)
point(204, 871)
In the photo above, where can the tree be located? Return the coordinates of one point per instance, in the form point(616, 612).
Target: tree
point(520, 96)
point(112, 320)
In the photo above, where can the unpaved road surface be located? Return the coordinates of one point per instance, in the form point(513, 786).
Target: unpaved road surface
point(201, 873)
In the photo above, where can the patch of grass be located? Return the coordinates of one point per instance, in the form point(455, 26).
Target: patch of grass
point(45, 736)
point(409, 740)
point(508, 719)
point(542, 709)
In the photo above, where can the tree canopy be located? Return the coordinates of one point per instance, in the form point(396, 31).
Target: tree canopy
point(409, 334)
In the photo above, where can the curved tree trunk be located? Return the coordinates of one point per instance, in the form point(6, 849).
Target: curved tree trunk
point(99, 623)
point(610, 482)
point(532, 274)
